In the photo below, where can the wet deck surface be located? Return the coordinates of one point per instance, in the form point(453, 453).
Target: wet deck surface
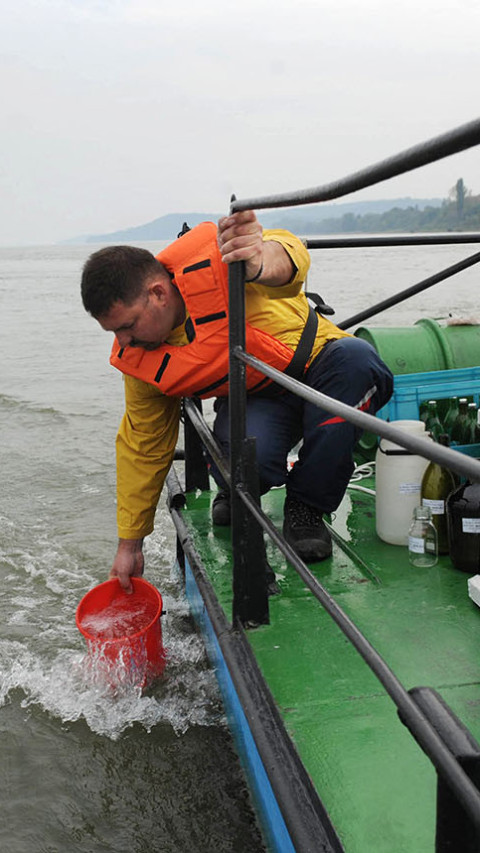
point(375, 782)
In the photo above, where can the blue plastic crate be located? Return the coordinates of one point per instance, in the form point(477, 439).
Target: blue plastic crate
point(412, 389)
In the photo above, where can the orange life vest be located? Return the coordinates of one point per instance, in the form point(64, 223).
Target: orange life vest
point(200, 368)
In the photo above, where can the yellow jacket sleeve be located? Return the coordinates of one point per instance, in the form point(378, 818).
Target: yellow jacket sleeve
point(300, 259)
point(145, 445)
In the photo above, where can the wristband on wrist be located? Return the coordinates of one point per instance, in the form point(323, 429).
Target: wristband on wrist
point(258, 275)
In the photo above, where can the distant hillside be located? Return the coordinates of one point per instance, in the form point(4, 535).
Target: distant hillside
point(446, 217)
point(165, 228)
point(318, 218)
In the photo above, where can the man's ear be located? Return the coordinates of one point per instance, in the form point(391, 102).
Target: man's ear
point(158, 289)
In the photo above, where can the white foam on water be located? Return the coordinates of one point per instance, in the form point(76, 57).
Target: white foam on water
point(44, 656)
point(116, 621)
point(109, 697)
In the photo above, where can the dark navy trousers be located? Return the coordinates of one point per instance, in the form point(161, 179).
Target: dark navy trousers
point(348, 369)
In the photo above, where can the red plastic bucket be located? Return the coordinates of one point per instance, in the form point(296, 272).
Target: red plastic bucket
point(123, 629)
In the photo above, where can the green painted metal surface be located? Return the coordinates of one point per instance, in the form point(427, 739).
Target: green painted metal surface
point(377, 785)
point(426, 345)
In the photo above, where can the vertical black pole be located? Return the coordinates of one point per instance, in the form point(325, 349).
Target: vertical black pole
point(253, 608)
point(455, 830)
point(250, 600)
point(196, 468)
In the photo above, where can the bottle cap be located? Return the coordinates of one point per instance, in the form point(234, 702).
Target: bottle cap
point(423, 513)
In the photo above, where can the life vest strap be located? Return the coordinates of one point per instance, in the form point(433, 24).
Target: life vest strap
point(296, 368)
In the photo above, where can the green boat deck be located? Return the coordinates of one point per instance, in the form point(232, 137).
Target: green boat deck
point(375, 782)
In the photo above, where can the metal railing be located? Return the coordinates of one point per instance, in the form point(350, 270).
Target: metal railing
point(456, 140)
point(455, 757)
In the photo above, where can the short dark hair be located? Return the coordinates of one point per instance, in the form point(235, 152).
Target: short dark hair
point(116, 274)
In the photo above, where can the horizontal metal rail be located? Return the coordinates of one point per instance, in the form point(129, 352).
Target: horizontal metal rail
point(410, 291)
point(446, 456)
point(457, 140)
point(419, 725)
point(350, 242)
point(427, 737)
point(452, 142)
point(304, 815)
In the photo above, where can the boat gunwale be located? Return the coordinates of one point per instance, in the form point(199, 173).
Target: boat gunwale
point(305, 816)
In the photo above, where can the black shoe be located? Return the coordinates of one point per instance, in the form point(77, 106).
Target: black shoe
point(305, 530)
point(221, 510)
point(272, 585)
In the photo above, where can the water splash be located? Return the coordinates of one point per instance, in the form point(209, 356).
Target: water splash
point(43, 657)
point(117, 621)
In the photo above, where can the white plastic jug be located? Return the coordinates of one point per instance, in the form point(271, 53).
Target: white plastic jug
point(398, 481)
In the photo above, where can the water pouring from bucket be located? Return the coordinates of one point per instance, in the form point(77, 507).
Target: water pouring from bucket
point(124, 630)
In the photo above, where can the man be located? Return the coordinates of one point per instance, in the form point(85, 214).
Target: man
point(170, 319)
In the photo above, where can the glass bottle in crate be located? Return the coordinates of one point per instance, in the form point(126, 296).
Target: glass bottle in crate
point(422, 539)
point(463, 522)
point(450, 415)
point(461, 424)
point(423, 410)
point(476, 434)
point(437, 483)
point(472, 414)
point(432, 423)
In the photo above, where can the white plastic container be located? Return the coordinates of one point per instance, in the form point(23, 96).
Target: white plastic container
point(398, 480)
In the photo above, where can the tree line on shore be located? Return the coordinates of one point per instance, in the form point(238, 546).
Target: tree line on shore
point(459, 212)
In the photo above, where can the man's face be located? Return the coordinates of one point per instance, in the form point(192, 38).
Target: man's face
point(148, 321)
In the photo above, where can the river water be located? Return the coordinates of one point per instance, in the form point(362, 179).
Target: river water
point(85, 769)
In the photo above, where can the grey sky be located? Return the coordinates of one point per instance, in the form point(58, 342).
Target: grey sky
point(115, 112)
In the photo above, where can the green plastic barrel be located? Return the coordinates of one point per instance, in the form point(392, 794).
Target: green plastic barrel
point(420, 348)
point(425, 346)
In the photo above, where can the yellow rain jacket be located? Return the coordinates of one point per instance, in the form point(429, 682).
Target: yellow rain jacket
point(149, 430)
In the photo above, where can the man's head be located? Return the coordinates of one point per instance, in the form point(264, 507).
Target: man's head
point(131, 294)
